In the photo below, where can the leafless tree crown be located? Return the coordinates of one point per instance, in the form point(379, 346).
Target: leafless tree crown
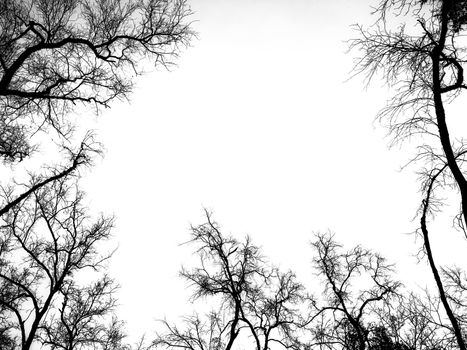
point(56, 54)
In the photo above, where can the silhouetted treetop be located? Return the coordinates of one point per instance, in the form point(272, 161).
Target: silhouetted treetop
point(57, 53)
point(256, 304)
point(418, 48)
point(45, 241)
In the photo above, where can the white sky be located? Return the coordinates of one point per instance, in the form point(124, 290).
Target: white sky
point(258, 124)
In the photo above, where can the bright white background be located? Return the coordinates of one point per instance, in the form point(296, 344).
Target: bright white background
point(258, 124)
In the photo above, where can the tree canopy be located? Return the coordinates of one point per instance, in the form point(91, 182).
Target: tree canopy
point(55, 55)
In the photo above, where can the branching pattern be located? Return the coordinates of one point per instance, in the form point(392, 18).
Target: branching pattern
point(57, 54)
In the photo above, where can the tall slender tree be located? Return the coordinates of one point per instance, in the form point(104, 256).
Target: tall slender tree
point(423, 59)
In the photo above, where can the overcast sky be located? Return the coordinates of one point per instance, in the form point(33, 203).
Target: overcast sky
point(259, 124)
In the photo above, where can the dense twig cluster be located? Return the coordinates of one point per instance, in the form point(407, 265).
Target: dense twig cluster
point(55, 54)
point(46, 241)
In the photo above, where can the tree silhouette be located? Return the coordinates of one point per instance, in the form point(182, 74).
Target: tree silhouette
point(257, 303)
point(47, 240)
point(426, 67)
point(57, 54)
point(354, 281)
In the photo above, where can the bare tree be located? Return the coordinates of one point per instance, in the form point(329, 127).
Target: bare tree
point(255, 300)
point(57, 54)
point(426, 66)
point(46, 241)
point(343, 321)
point(54, 56)
point(255, 305)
